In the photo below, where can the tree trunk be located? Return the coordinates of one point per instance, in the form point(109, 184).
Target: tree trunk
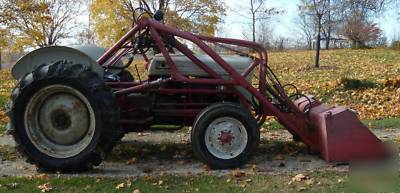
point(318, 42)
point(254, 28)
point(328, 40)
point(328, 37)
point(161, 5)
point(253, 17)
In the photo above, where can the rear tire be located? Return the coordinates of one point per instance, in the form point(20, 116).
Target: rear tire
point(225, 135)
point(64, 117)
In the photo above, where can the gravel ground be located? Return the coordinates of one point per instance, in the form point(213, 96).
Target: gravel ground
point(159, 153)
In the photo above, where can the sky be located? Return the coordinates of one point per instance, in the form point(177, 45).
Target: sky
point(284, 26)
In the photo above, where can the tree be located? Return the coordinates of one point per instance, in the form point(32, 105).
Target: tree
point(4, 35)
point(258, 13)
point(331, 20)
point(306, 25)
point(264, 37)
point(356, 16)
point(38, 23)
point(317, 9)
point(361, 31)
point(86, 35)
point(112, 19)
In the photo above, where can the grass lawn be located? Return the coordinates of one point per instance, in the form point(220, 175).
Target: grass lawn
point(389, 123)
point(312, 182)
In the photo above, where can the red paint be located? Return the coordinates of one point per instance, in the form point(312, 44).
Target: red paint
point(339, 136)
point(226, 137)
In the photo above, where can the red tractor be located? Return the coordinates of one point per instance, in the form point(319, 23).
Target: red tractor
point(71, 105)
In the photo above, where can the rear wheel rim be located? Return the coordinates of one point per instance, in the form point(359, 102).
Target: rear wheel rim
point(59, 121)
point(226, 138)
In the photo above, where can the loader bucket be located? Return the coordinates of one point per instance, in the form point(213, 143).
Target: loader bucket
point(338, 135)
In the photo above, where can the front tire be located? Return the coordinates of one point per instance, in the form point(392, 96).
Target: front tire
point(64, 117)
point(225, 135)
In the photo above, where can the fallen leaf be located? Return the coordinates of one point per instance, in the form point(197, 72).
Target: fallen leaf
point(299, 178)
point(279, 157)
point(237, 173)
point(136, 191)
point(38, 176)
point(45, 187)
point(254, 168)
point(120, 186)
point(131, 161)
point(128, 183)
point(206, 168)
point(263, 130)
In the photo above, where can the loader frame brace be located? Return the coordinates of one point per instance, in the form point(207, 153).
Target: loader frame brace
point(305, 117)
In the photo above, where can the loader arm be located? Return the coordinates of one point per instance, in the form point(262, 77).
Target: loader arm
point(334, 132)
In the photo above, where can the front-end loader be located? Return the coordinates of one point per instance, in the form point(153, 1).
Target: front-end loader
point(73, 104)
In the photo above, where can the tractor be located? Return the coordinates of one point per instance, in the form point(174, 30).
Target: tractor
point(73, 104)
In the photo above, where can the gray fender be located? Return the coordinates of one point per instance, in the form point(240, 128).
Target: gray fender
point(48, 55)
point(85, 55)
point(95, 52)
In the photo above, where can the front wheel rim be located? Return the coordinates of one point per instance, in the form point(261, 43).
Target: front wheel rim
point(226, 138)
point(59, 121)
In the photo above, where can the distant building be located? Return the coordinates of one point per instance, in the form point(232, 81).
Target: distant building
point(335, 43)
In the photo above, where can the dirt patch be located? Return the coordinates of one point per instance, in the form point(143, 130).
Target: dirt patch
point(156, 153)
point(313, 68)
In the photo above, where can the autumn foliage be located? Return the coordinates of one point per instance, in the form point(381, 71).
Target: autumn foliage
point(37, 23)
point(361, 32)
point(377, 71)
point(379, 67)
point(112, 19)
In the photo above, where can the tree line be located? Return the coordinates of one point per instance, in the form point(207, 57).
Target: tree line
point(352, 19)
point(39, 23)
